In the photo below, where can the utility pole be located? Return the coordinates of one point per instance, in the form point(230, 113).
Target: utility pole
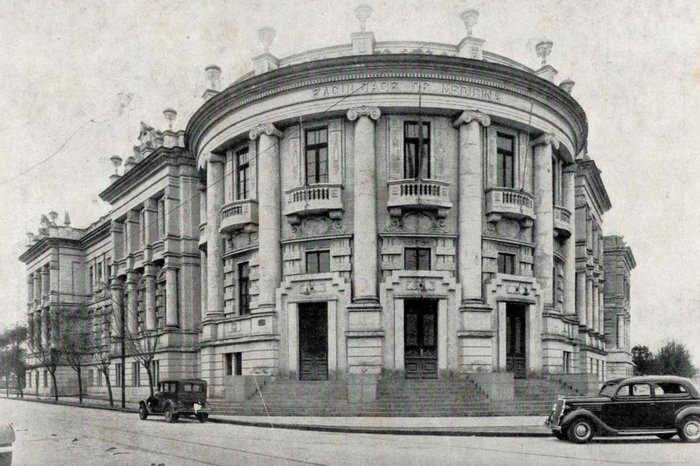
point(123, 368)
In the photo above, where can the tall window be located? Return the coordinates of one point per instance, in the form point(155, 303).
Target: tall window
point(228, 358)
point(91, 273)
point(566, 362)
point(416, 259)
point(243, 282)
point(118, 374)
point(317, 156)
point(242, 174)
point(416, 163)
point(506, 263)
point(142, 227)
point(135, 375)
point(99, 276)
point(238, 363)
point(318, 262)
point(155, 371)
point(505, 149)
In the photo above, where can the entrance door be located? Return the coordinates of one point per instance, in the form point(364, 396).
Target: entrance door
point(515, 340)
point(313, 341)
point(420, 339)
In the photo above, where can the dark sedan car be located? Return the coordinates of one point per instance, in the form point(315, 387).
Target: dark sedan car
point(175, 398)
point(651, 405)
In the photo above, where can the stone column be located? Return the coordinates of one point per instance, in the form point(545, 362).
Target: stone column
point(37, 330)
point(133, 235)
point(45, 328)
point(54, 317)
point(471, 201)
point(364, 254)
point(149, 276)
point(203, 279)
point(117, 290)
point(171, 297)
point(569, 191)
point(37, 285)
point(132, 304)
point(30, 329)
point(601, 309)
point(30, 290)
point(269, 211)
point(215, 199)
point(45, 281)
point(544, 213)
point(150, 207)
point(581, 293)
point(118, 245)
point(589, 302)
point(596, 309)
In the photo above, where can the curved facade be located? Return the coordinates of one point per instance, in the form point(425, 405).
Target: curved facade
point(363, 253)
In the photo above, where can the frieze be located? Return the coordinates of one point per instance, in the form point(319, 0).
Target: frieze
point(406, 87)
point(318, 226)
point(416, 222)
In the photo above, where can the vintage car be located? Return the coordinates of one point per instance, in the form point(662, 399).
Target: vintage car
point(7, 438)
point(650, 405)
point(175, 398)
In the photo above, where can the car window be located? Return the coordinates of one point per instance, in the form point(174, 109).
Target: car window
point(608, 389)
point(637, 389)
point(192, 387)
point(669, 389)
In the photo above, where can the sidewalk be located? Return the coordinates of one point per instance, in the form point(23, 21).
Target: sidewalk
point(492, 426)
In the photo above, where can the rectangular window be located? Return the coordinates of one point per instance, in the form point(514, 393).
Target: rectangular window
point(100, 277)
point(416, 259)
point(416, 163)
point(91, 380)
point(118, 374)
point(46, 379)
point(506, 263)
point(142, 227)
point(242, 174)
point(135, 375)
point(318, 261)
point(566, 362)
point(229, 363)
point(99, 377)
point(91, 275)
point(238, 360)
point(243, 281)
point(316, 156)
point(505, 150)
point(155, 371)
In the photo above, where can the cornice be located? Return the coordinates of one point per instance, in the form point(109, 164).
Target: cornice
point(589, 169)
point(44, 244)
point(403, 66)
point(161, 157)
point(96, 234)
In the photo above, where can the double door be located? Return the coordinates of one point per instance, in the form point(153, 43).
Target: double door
point(420, 339)
point(516, 361)
point(313, 341)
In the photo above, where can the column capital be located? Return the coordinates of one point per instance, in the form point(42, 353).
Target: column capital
point(546, 138)
point(267, 128)
point(364, 110)
point(215, 158)
point(570, 169)
point(470, 115)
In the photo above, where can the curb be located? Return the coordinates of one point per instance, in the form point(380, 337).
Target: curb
point(432, 431)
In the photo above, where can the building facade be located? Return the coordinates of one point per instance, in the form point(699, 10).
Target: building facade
point(377, 209)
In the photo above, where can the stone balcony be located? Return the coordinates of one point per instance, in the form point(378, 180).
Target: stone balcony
point(562, 221)
point(312, 200)
point(511, 203)
point(419, 194)
point(238, 215)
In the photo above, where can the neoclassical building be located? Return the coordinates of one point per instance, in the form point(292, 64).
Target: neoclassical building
point(368, 210)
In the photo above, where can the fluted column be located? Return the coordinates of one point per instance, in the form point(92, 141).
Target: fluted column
point(149, 276)
point(589, 303)
point(132, 304)
point(569, 191)
point(117, 290)
point(171, 297)
point(471, 200)
point(364, 254)
point(544, 213)
point(215, 199)
point(269, 210)
point(581, 293)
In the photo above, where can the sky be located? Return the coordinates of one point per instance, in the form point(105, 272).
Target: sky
point(78, 76)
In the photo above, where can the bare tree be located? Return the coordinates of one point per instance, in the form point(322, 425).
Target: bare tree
point(14, 355)
point(75, 346)
point(49, 358)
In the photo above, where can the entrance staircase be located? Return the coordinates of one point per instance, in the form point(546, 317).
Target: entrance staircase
point(395, 398)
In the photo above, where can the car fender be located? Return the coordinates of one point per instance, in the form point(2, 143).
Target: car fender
point(145, 404)
point(580, 412)
point(687, 411)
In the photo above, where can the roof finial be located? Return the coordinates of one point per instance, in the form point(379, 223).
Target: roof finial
point(470, 17)
point(266, 35)
point(214, 76)
point(66, 219)
point(543, 49)
point(170, 114)
point(362, 13)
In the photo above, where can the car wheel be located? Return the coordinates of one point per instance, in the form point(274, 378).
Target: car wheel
point(689, 430)
point(581, 430)
point(170, 416)
point(202, 417)
point(559, 434)
point(143, 412)
point(665, 436)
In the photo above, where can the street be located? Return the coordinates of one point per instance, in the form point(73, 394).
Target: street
point(48, 434)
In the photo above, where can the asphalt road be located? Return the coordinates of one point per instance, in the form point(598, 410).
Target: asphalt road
point(52, 435)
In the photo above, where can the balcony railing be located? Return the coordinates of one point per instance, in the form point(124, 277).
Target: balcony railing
point(562, 221)
point(237, 215)
point(507, 202)
point(419, 194)
point(313, 199)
